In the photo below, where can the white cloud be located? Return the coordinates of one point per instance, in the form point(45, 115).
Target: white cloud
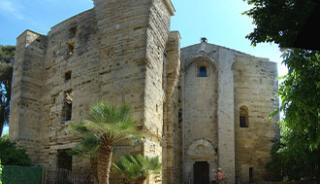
point(9, 8)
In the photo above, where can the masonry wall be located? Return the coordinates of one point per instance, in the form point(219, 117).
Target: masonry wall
point(211, 117)
point(26, 106)
point(200, 115)
point(171, 153)
point(83, 63)
point(114, 53)
point(208, 128)
point(256, 89)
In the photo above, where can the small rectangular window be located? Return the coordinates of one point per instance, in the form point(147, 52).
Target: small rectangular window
point(72, 32)
point(251, 175)
point(67, 106)
point(202, 71)
point(244, 117)
point(243, 122)
point(67, 76)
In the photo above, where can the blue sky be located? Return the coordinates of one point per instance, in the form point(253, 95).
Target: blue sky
point(218, 20)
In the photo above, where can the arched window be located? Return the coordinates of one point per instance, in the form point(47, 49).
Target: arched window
point(244, 117)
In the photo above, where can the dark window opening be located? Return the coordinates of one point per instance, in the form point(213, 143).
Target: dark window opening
point(251, 175)
point(244, 117)
point(70, 48)
point(243, 122)
point(72, 32)
point(67, 106)
point(202, 71)
point(64, 160)
point(67, 76)
point(180, 117)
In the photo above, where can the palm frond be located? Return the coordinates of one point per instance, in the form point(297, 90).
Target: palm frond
point(104, 122)
point(134, 167)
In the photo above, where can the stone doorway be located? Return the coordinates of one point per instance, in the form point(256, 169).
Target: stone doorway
point(201, 173)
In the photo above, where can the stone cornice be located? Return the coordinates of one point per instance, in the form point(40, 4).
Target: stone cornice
point(170, 6)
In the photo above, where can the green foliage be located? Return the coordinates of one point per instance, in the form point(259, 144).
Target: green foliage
point(0, 172)
point(7, 53)
point(297, 154)
point(105, 126)
point(278, 21)
point(10, 154)
point(275, 166)
point(104, 123)
point(300, 96)
point(136, 167)
point(6, 58)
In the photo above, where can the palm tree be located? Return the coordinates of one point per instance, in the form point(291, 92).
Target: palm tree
point(136, 168)
point(105, 127)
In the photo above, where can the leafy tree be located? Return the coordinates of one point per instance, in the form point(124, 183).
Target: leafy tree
point(136, 168)
point(300, 96)
point(10, 154)
point(296, 156)
point(279, 21)
point(6, 59)
point(105, 126)
point(298, 153)
point(0, 172)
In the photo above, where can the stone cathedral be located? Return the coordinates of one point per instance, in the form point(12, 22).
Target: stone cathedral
point(204, 106)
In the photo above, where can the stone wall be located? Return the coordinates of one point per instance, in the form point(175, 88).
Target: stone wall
point(200, 114)
point(210, 112)
point(171, 159)
point(114, 53)
point(255, 89)
point(26, 104)
point(208, 133)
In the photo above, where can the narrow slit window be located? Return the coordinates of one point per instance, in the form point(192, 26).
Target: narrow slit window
point(251, 175)
point(244, 117)
point(72, 32)
point(70, 48)
point(180, 115)
point(67, 76)
point(67, 106)
point(202, 71)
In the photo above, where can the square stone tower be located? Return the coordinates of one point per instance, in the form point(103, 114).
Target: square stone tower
point(115, 52)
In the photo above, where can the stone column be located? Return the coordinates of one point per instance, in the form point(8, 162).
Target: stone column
point(226, 132)
point(170, 161)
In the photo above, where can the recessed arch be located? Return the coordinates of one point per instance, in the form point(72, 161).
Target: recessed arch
point(201, 60)
point(201, 149)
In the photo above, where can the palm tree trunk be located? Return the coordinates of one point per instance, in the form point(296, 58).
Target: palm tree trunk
point(104, 161)
point(93, 164)
point(140, 180)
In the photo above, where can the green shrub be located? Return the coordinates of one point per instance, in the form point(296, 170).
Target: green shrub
point(10, 154)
